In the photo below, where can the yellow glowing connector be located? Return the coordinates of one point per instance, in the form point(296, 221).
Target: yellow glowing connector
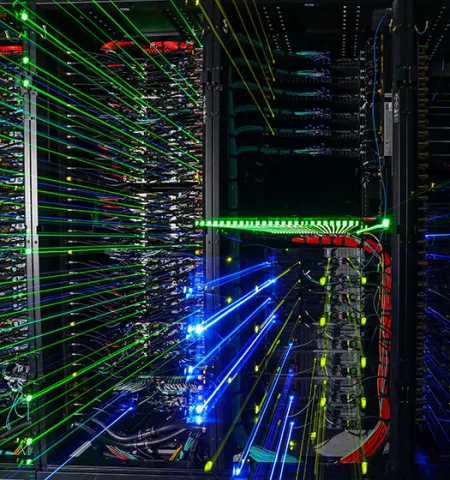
point(322, 321)
point(323, 281)
point(363, 280)
point(313, 436)
point(364, 468)
point(69, 179)
point(230, 379)
point(70, 252)
point(229, 259)
point(323, 361)
point(323, 401)
point(363, 362)
point(208, 466)
point(74, 374)
point(256, 368)
point(229, 300)
point(363, 320)
point(363, 402)
point(72, 324)
point(256, 409)
point(256, 328)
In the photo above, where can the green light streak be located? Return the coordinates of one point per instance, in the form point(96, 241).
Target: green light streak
point(147, 53)
point(40, 349)
point(64, 287)
point(186, 23)
point(71, 377)
point(72, 184)
point(18, 312)
point(115, 113)
point(68, 417)
point(133, 94)
point(86, 357)
point(59, 441)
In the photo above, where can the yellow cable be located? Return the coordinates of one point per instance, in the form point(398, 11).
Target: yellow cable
point(254, 49)
point(245, 57)
point(211, 25)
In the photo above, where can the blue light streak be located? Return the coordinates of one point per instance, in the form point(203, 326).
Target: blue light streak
point(225, 339)
point(274, 464)
point(251, 439)
point(227, 310)
point(234, 368)
point(434, 235)
point(87, 444)
point(435, 256)
point(232, 276)
point(437, 315)
point(288, 441)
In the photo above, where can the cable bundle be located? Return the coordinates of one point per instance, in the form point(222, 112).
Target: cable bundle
point(14, 326)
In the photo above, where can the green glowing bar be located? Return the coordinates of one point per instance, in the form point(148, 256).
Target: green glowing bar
point(286, 226)
point(384, 225)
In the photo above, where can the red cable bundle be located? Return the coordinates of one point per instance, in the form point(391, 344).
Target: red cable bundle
point(377, 436)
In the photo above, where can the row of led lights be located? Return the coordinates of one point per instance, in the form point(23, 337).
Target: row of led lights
point(283, 26)
point(275, 223)
point(435, 26)
point(344, 26)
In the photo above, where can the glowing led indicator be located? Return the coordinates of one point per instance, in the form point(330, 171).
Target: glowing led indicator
point(26, 82)
point(199, 409)
point(363, 402)
point(363, 320)
point(25, 60)
point(323, 361)
point(256, 368)
point(323, 401)
point(28, 251)
point(363, 280)
point(313, 436)
point(24, 16)
point(29, 441)
point(208, 466)
point(229, 259)
point(29, 398)
point(363, 362)
point(229, 300)
point(322, 321)
point(364, 468)
point(323, 281)
point(198, 329)
point(386, 223)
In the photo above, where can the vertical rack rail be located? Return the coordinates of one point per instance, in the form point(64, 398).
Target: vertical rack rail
point(213, 153)
point(404, 239)
point(31, 214)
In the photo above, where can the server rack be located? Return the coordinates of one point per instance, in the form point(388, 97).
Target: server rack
point(405, 72)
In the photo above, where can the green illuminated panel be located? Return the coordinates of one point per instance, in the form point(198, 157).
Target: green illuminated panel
point(295, 226)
